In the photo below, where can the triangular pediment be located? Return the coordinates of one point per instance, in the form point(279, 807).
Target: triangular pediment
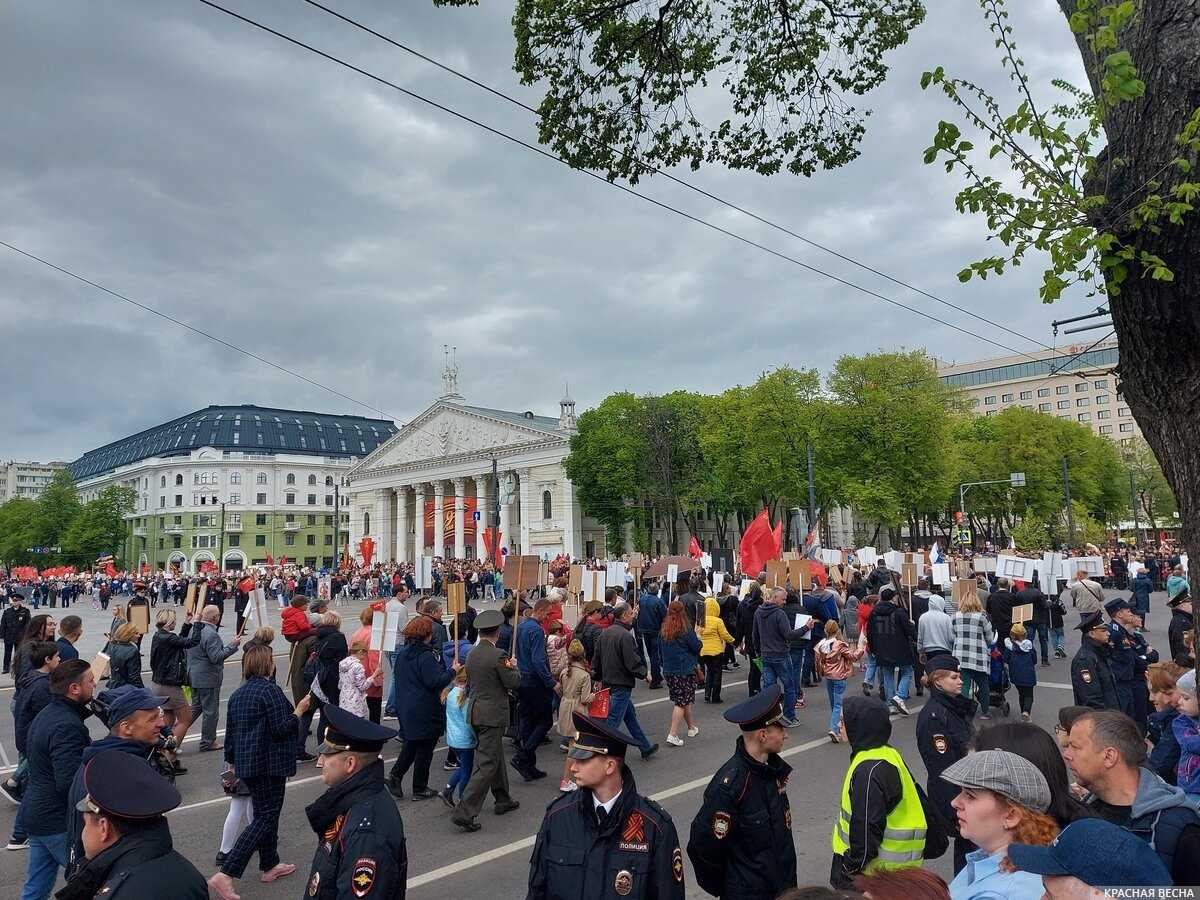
point(446, 431)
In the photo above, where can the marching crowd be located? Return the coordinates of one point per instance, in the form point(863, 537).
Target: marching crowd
point(1111, 799)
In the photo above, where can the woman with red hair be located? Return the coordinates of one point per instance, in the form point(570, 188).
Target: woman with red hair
point(417, 686)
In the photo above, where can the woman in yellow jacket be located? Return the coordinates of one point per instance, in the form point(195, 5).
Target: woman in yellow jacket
point(713, 638)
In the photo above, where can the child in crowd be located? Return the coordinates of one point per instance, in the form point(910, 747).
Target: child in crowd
point(1021, 659)
point(834, 662)
point(353, 680)
point(1187, 733)
point(460, 736)
point(556, 649)
point(575, 692)
point(1161, 678)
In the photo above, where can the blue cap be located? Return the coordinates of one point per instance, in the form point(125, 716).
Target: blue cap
point(122, 702)
point(1097, 853)
point(346, 731)
point(122, 784)
point(763, 709)
point(1115, 605)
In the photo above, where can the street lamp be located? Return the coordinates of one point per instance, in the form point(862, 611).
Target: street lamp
point(1014, 479)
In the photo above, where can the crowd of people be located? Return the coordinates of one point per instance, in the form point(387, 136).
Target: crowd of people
point(542, 673)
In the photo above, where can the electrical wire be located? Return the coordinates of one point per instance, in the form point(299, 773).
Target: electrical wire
point(579, 133)
point(628, 190)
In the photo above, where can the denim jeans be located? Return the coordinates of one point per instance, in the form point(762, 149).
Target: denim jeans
point(1058, 637)
point(835, 687)
point(621, 710)
point(799, 662)
point(390, 706)
point(779, 668)
point(890, 688)
point(460, 776)
point(47, 852)
point(874, 674)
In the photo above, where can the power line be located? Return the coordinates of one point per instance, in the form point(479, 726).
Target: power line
point(658, 203)
point(579, 133)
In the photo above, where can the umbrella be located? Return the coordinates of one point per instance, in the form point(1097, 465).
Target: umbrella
point(659, 569)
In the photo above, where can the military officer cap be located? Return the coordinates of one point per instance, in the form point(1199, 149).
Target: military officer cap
point(122, 702)
point(346, 731)
point(1115, 605)
point(595, 737)
point(1091, 620)
point(122, 785)
point(763, 709)
point(489, 619)
point(943, 662)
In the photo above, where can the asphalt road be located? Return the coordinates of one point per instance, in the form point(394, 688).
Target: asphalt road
point(445, 863)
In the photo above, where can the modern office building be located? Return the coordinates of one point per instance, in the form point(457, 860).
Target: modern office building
point(244, 484)
point(26, 480)
point(1072, 382)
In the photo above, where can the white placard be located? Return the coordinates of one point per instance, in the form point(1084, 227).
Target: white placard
point(1183, 562)
point(802, 620)
point(985, 564)
point(1014, 567)
point(1049, 572)
point(718, 583)
point(744, 587)
point(706, 560)
point(616, 573)
point(940, 574)
point(893, 559)
point(831, 557)
point(1134, 568)
point(866, 556)
point(593, 586)
point(423, 573)
point(256, 610)
point(383, 634)
point(1093, 565)
point(672, 573)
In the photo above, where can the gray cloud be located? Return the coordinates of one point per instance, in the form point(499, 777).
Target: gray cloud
point(323, 221)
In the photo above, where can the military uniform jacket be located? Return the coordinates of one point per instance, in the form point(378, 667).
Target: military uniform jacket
point(943, 734)
point(1123, 657)
point(137, 867)
point(741, 842)
point(361, 850)
point(1092, 679)
point(634, 854)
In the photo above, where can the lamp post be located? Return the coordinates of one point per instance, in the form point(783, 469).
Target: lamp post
point(1014, 479)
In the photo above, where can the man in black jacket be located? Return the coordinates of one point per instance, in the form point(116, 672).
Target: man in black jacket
point(741, 843)
point(618, 665)
point(617, 841)
point(747, 608)
point(891, 635)
point(999, 609)
point(1031, 595)
point(13, 622)
point(1181, 623)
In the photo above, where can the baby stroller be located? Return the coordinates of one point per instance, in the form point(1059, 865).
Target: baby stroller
point(998, 683)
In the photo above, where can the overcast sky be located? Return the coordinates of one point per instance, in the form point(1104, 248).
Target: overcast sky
point(303, 212)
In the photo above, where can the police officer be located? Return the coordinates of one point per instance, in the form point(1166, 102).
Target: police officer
point(361, 851)
point(1092, 678)
point(943, 736)
point(618, 843)
point(126, 838)
point(741, 842)
point(1130, 662)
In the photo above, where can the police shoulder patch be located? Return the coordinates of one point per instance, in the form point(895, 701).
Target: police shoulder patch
point(362, 879)
point(720, 825)
point(1086, 675)
point(940, 744)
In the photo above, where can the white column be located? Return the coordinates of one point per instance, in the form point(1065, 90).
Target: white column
point(481, 504)
point(439, 518)
point(525, 476)
point(402, 523)
point(460, 509)
point(506, 539)
point(379, 523)
point(570, 518)
point(419, 522)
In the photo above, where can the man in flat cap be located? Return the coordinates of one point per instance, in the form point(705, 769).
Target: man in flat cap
point(615, 841)
point(126, 839)
point(361, 850)
point(741, 841)
point(1092, 678)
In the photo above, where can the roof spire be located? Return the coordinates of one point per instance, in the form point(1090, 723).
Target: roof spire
point(450, 374)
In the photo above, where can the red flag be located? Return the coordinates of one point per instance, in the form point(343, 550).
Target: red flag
point(110, 570)
point(367, 547)
point(777, 536)
point(246, 585)
point(488, 541)
point(817, 569)
point(270, 562)
point(283, 560)
point(757, 545)
point(694, 550)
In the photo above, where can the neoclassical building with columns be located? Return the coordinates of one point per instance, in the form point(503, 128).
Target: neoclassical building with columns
point(427, 490)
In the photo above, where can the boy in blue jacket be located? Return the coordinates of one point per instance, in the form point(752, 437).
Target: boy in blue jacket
point(1021, 658)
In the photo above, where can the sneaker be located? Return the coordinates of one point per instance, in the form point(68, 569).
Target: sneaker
point(674, 740)
point(448, 766)
point(10, 792)
point(833, 736)
point(899, 704)
point(14, 844)
point(1025, 717)
point(447, 797)
point(800, 703)
point(867, 688)
point(566, 786)
point(693, 731)
point(646, 754)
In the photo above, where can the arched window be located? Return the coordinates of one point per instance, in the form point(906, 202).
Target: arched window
point(547, 505)
point(291, 478)
point(366, 523)
point(329, 481)
point(261, 478)
point(178, 480)
point(162, 481)
point(235, 477)
point(312, 479)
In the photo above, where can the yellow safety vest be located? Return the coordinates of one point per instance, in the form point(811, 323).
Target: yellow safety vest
point(903, 843)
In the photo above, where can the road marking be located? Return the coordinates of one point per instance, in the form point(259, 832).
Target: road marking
point(527, 842)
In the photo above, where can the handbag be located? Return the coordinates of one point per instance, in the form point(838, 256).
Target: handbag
point(598, 708)
point(700, 675)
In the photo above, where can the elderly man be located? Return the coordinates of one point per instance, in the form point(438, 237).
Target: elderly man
point(1086, 595)
point(1107, 752)
point(618, 665)
point(206, 670)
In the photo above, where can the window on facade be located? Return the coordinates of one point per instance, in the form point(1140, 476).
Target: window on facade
point(1080, 387)
point(1085, 417)
point(290, 539)
point(178, 480)
point(260, 499)
point(1083, 401)
point(289, 499)
point(547, 505)
point(260, 540)
point(196, 478)
point(235, 477)
point(1064, 404)
point(1122, 412)
point(162, 481)
point(1045, 407)
point(366, 523)
point(989, 401)
point(1102, 414)
point(291, 478)
point(1063, 389)
point(235, 540)
point(329, 521)
point(260, 518)
point(312, 499)
point(1101, 399)
point(312, 479)
point(290, 518)
point(260, 478)
point(329, 540)
point(1101, 384)
point(1106, 429)
point(1126, 427)
point(175, 542)
point(235, 498)
point(1043, 392)
point(311, 540)
point(162, 501)
point(329, 499)
point(1026, 395)
point(1006, 398)
point(328, 481)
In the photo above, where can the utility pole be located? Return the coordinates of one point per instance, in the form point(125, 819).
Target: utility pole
point(1133, 506)
point(812, 493)
point(494, 514)
point(1070, 512)
point(221, 543)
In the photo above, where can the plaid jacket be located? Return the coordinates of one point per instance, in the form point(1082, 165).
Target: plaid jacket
point(260, 730)
point(972, 635)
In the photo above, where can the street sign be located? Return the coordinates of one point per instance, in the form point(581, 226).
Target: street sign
point(964, 536)
point(475, 515)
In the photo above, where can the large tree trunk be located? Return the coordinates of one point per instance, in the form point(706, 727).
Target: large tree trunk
point(1158, 323)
